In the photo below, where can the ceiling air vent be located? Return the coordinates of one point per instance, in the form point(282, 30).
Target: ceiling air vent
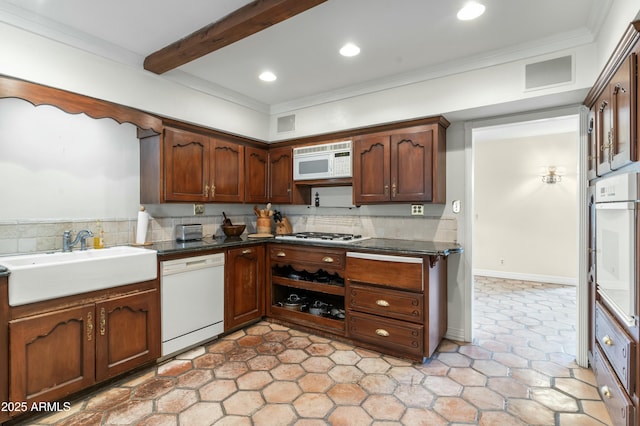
point(287, 123)
point(549, 73)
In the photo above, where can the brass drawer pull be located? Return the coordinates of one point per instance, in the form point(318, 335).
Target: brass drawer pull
point(607, 341)
point(327, 259)
point(247, 251)
point(103, 321)
point(382, 332)
point(281, 254)
point(606, 392)
point(89, 326)
point(382, 302)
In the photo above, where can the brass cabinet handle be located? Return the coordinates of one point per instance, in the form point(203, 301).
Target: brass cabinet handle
point(603, 105)
point(103, 321)
point(327, 259)
point(89, 326)
point(382, 332)
point(247, 251)
point(394, 190)
point(281, 254)
point(386, 190)
point(206, 191)
point(606, 392)
point(213, 189)
point(382, 302)
point(607, 341)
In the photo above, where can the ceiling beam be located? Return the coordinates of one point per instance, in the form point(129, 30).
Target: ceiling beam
point(248, 20)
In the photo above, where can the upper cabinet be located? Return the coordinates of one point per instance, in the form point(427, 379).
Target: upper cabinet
point(256, 178)
point(281, 175)
point(190, 167)
point(403, 165)
point(612, 133)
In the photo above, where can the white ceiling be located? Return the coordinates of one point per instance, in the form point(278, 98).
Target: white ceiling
point(402, 41)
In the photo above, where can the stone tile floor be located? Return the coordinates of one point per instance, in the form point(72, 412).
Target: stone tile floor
point(520, 370)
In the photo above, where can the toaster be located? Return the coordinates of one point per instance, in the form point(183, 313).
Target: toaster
point(190, 232)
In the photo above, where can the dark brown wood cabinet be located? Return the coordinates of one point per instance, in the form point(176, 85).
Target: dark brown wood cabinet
point(281, 175)
point(244, 286)
point(202, 168)
point(256, 179)
point(53, 354)
point(4, 345)
point(127, 333)
point(69, 344)
point(404, 165)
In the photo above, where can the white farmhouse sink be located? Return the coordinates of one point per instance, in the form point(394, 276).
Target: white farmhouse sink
point(37, 277)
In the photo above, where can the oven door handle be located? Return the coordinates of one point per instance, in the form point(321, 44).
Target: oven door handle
point(622, 205)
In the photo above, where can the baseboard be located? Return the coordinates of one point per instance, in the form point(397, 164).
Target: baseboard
point(550, 279)
point(455, 334)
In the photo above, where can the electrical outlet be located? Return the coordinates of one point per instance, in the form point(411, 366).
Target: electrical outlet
point(198, 209)
point(417, 210)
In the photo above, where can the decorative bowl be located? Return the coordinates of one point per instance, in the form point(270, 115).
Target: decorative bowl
point(233, 230)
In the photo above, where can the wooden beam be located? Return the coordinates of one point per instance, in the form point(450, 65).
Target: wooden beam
point(248, 20)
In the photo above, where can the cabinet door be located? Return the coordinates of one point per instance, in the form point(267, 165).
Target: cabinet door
point(227, 171)
point(604, 134)
point(186, 166)
point(4, 345)
point(52, 355)
point(412, 166)
point(622, 95)
point(371, 169)
point(256, 175)
point(281, 175)
point(127, 333)
point(244, 290)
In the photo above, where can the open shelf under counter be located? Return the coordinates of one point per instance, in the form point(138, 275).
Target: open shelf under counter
point(308, 285)
point(334, 326)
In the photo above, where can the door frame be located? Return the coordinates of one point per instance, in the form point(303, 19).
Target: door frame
point(582, 291)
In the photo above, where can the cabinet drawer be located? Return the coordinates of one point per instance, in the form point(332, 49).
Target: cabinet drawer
point(401, 305)
point(398, 336)
point(618, 403)
point(616, 346)
point(317, 255)
point(399, 272)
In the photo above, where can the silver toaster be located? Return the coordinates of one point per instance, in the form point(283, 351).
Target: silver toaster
point(190, 232)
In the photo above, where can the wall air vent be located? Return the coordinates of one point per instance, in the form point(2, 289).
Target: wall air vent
point(287, 123)
point(549, 73)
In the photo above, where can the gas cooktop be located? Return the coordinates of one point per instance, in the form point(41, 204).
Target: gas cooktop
point(326, 237)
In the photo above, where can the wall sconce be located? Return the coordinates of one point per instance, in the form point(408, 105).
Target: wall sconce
point(551, 175)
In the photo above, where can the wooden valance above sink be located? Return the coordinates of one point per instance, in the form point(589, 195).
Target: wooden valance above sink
point(74, 103)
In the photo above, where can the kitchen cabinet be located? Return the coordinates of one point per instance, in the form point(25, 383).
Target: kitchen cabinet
point(244, 286)
point(312, 274)
point(202, 168)
point(281, 175)
point(592, 147)
point(396, 304)
point(256, 189)
point(614, 119)
point(404, 165)
point(127, 333)
point(65, 347)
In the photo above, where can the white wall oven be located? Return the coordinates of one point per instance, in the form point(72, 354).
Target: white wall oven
point(616, 244)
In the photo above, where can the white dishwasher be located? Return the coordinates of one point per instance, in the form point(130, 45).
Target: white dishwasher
point(192, 292)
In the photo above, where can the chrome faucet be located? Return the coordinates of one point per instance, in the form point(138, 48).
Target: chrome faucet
point(81, 236)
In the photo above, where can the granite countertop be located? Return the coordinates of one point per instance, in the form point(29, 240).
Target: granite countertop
point(385, 245)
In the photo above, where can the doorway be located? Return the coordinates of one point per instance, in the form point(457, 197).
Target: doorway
point(525, 222)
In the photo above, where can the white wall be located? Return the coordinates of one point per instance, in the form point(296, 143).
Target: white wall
point(524, 228)
point(55, 165)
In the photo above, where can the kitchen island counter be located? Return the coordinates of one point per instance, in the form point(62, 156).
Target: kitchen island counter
point(384, 245)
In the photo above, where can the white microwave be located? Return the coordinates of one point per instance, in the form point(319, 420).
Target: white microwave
point(326, 161)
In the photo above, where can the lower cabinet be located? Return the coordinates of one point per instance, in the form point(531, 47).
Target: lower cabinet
point(63, 351)
point(4, 345)
point(244, 286)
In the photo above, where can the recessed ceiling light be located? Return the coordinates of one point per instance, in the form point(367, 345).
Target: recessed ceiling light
point(470, 11)
point(267, 76)
point(349, 49)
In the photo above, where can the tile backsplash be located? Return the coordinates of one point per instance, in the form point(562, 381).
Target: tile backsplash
point(41, 236)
